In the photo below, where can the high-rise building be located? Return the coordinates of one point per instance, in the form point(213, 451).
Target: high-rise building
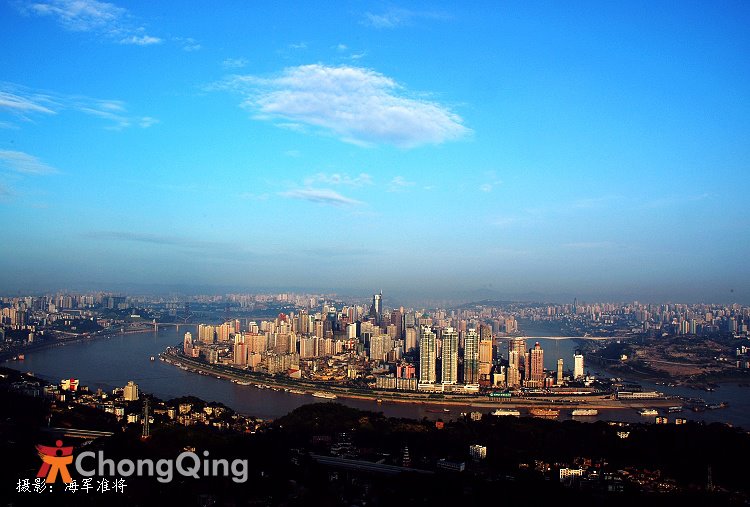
point(559, 371)
point(239, 351)
point(130, 392)
point(578, 365)
point(376, 309)
point(411, 339)
point(187, 344)
point(516, 352)
point(535, 366)
point(485, 355)
point(427, 356)
point(471, 357)
point(449, 356)
point(513, 377)
point(380, 346)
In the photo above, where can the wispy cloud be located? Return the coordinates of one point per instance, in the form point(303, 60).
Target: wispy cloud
point(105, 19)
point(675, 200)
point(234, 63)
point(23, 163)
point(147, 122)
point(397, 17)
point(339, 179)
point(188, 43)
point(298, 45)
point(156, 239)
point(320, 195)
point(25, 103)
point(491, 182)
point(356, 104)
point(140, 40)
point(20, 104)
point(399, 184)
point(504, 221)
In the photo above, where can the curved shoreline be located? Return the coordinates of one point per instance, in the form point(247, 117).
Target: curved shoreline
point(310, 387)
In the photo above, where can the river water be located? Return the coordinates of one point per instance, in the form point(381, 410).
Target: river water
point(112, 361)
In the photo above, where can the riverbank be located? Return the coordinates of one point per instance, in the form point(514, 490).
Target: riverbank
point(45, 343)
point(307, 387)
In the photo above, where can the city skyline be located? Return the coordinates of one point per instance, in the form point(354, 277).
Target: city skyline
point(507, 150)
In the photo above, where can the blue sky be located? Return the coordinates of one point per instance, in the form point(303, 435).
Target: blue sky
point(588, 148)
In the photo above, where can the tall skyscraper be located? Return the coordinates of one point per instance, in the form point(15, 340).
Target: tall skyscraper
point(559, 371)
point(471, 357)
point(485, 355)
point(427, 356)
point(578, 365)
point(449, 356)
point(376, 309)
point(411, 339)
point(535, 366)
point(516, 352)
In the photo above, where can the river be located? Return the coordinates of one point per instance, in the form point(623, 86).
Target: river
point(112, 361)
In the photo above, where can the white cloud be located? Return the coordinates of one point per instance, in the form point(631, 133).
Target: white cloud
point(147, 122)
point(102, 18)
point(339, 179)
point(23, 163)
point(24, 102)
point(141, 40)
point(504, 221)
point(20, 104)
point(356, 104)
point(234, 63)
point(389, 19)
point(80, 15)
point(397, 17)
point(320, 195)
point(189, 44)
point(491, 183)
point(399, 183)
point(298, 45)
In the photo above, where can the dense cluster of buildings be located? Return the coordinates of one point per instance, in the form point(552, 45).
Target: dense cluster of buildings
point(398, 349)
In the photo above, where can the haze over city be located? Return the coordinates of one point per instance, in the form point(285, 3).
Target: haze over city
point(487, 150)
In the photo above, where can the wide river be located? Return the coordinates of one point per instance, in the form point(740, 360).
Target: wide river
point(112, 361)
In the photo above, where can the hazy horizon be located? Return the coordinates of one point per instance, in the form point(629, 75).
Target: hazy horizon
point(433, 150)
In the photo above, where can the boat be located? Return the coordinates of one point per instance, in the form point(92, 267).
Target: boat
point(379, 400)
point(328, 396)
point(544, 412)
point(674, 410)
point(648, 411)
point(715, 406)
point(578, 412)
point(296, 391)
point(153, 358)
point(502, 412)
point(21, 357)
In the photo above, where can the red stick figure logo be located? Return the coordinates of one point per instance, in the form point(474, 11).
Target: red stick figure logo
point(56, 459)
